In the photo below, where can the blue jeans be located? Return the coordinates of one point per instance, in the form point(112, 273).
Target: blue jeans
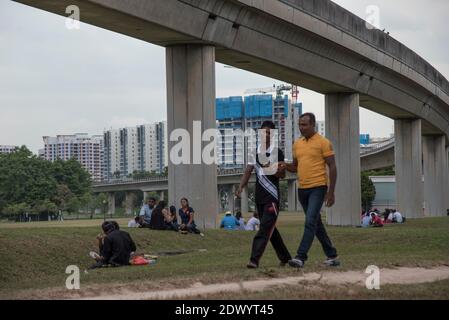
point(311, 201)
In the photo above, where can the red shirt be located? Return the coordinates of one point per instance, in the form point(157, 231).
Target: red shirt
point(376, 220)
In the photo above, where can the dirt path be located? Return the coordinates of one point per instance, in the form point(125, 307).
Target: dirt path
point(387, 276)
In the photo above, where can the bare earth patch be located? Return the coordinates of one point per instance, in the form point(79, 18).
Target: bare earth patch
point(171, 290)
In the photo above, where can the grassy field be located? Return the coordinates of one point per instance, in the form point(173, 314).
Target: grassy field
point(35, 255)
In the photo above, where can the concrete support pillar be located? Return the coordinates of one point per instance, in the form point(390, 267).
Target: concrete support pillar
point(408, 167)
point(146, 195)
point(244, 201)
point(162, 196)
point(436, 175)
point(191, 97)
point(342, 129)
point(111, 203)
point(292, 195)
point(219, 203)
point(447, 179)
point(129, 202)
point(231, 198)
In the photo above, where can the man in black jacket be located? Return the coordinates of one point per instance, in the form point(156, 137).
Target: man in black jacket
point(115, 246)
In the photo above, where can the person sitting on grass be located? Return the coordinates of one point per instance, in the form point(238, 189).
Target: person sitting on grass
point(187, 223)
point(115, 246)
point(157, 217)
point(388, 216)
point(366, 220)
point(170, 218)
point(146, 212)
point(253, 223)
point(376, 221)
point(229, 222)
point(136, 222)
point(241, 221)
point(397, 217)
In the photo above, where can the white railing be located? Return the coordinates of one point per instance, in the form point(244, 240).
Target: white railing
point(235, 171)
point(116, 181)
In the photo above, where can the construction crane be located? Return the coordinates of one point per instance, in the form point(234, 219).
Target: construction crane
point(278, 89)
point(294, 94)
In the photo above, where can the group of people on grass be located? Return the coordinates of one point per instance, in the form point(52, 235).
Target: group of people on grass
point(313, 158)
point(237, 222)
point(156, 215)
point(373, 218)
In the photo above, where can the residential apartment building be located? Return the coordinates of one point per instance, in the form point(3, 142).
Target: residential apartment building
point(7, 149)
point(140, 148)
point(87, 150)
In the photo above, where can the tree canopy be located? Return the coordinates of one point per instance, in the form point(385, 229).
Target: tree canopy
point(30, 183)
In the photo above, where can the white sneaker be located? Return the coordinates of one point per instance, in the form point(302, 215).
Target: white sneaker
point(296, 263)
point(332, 262)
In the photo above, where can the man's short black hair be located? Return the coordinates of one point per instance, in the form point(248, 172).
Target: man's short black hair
point(311, 117)
point(152, 199)
point(108, 226)
point(268, 124)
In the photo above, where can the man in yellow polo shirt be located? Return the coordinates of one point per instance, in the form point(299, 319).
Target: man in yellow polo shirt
point(311, 153)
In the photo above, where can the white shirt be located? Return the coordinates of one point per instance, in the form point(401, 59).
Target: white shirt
point(251, 224)
point(398, 217)
point(242, 224)
point(133, 224)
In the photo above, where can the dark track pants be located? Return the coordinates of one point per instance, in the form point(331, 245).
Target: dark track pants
point(268, 214)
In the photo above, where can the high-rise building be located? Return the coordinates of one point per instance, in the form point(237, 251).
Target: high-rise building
point(238, 114)
point(140, 148)
point(7, 149)
point(87, 150)
point(320, 127)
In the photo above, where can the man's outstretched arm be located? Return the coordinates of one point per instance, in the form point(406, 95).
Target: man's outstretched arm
point(292, 167)
point(244, 181)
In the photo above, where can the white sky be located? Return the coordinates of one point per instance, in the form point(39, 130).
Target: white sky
point(59, 81)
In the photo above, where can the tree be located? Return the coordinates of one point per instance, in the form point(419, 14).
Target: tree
point(73, 175)
point(62, 197)
point(87, 204)
point(100, 202)
point(382, 172)
point(74, 205)
point(45, 206)
point(368, 191)
point(32, 181)
point(16, 210)
point(25, 178)
point(152, 194)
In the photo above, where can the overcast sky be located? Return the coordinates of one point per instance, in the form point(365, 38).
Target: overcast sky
point(59, 81)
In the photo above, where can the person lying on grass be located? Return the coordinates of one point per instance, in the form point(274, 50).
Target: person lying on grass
point(115, 246)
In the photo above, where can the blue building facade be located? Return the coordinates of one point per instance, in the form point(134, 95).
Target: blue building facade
point(249, 112)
